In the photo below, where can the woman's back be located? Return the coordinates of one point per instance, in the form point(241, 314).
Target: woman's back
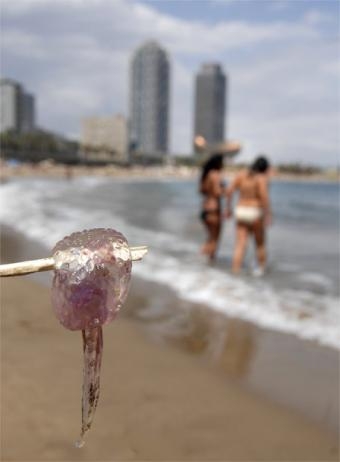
point(212, 190)
point(211, 186)
point(249, 187)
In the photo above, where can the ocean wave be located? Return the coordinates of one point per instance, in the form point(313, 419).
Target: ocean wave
point(39, 209)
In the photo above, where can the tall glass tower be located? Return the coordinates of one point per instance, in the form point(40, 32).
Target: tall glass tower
point(210, 103)
point(149, 99)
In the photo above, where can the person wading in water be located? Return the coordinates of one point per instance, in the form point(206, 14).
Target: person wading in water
point(252, 213)
point(212, 189)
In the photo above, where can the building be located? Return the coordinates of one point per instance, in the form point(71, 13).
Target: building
point(105, 138)
point(149, 100)
point(210, 104)
point(17, 107)
point(10, 93)
point(27, 113)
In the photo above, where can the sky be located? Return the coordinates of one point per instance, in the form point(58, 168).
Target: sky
point(281, 58)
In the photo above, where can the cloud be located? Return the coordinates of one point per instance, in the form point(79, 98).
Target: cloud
point(279, 5)
point(316, 17)
point(20, 44)
point(283, 74)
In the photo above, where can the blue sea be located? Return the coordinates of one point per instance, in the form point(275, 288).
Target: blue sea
point(300, 292)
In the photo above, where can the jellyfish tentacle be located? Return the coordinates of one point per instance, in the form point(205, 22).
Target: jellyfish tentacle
point(93, 351)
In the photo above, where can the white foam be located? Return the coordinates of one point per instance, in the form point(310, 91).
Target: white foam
point(32, 208)
point(294, 311)
point(316, 279)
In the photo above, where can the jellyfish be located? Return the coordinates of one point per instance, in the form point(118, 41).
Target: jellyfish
point(90, 284)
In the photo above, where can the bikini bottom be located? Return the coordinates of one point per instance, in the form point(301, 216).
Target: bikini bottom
point(205, 213)
point(248, 214)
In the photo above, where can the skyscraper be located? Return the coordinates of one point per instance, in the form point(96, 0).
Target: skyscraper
point(17, 107)
point(210, 95)
point(27, 112)
point(149, 99)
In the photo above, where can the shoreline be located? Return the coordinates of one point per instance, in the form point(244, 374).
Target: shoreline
point(272, 364)
point(48, 169)
point(275, 365)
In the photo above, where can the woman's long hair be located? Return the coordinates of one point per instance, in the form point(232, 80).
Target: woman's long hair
point(214, 163)
point(260, 165)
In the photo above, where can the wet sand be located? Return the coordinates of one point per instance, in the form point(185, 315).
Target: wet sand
point(180, 387)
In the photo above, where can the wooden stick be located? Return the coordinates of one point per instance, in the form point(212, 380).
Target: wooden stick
point(46, 264)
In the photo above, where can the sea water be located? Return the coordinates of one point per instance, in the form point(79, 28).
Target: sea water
point(300, 292)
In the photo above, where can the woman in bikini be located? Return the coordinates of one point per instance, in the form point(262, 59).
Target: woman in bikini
point(212, 189)
point(252, 213)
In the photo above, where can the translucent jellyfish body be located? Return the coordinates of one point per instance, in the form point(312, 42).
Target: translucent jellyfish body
point(92, 276)
point(90, 284)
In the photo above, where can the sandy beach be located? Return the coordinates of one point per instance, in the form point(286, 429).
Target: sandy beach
point(162, 397)
point(51, 169)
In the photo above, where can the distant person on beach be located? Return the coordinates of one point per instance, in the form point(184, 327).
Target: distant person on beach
point(252, 213)
point(212, 189)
